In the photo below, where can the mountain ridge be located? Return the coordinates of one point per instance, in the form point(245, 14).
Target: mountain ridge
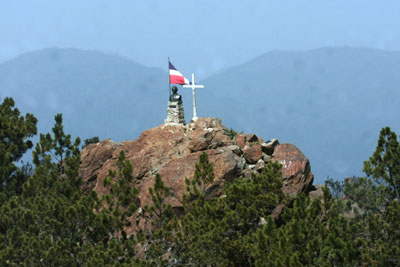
point(76, 83)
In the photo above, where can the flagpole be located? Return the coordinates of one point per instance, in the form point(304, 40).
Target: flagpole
point(169, 79)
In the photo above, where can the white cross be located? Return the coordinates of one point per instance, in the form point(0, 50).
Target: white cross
point(194, 86)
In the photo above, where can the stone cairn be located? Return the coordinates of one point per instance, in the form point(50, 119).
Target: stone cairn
point(175, 113)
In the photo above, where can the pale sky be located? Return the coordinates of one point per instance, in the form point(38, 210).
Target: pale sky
point(200, 36)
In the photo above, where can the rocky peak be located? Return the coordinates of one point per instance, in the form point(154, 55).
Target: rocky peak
point(173, 150)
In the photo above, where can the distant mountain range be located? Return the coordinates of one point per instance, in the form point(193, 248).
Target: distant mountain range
point(330, 102)
point(98, 94)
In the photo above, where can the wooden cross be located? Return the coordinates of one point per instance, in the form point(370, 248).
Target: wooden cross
point(194, 86)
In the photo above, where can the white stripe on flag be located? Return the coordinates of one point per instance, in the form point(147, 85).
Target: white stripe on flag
point(175, 72)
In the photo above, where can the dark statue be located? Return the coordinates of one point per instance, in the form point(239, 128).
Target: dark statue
point(175, 97)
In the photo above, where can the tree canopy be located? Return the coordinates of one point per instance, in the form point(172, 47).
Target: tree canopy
point(47, 220)
point(15, 131)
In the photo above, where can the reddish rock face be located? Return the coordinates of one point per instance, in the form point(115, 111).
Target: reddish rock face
point(296, 170)
point(93, 158)
point(147, 154)
point(252, 154)
point(173, 151)
point(200, 140)
point(240, 140)
point(176, 170)
point(220, 139)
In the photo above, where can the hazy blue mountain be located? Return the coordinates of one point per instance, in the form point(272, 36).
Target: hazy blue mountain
point(98, 94)
point(330, 102)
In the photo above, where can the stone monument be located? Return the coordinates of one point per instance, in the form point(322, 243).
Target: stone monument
point(175, 113)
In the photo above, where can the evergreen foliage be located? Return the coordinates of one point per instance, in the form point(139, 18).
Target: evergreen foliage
point(214, 232)
point(312, 234)
point(203, 176)
point(231, 133)
point(158, 241)
point(119, 206)
point(92, 140)
point(46, 219)
point(51, 223)
point(384, 165)
point(15, 130)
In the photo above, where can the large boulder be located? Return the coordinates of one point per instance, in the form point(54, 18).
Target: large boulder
point(173, 151)
point(170, 150)
point(252, 154)
point(240, 140)
point(200, 140)
point(176, 170)
point(296, 170)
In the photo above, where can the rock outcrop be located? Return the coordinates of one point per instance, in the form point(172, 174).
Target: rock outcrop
point(296, 169)
point(173, 150)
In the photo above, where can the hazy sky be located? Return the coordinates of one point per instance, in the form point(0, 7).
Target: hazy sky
point(200, 36)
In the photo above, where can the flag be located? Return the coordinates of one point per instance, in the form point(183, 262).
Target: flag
point(175, 77)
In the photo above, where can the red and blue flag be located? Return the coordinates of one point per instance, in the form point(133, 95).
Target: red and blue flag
point(175, 77)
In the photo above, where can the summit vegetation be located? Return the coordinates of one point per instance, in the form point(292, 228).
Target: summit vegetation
point(47, 220)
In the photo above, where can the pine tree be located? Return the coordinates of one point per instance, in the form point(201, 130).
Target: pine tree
point(384, 165)
point(49, 221)
point(160, 210)
point(15, 130)
point(312, 233)
point(52, 223)
point(122, 202)
point(203, 176)
point(56, 161)
point(158, 240)
point(214, 232)
point(92, 140)
point(381, 193)
point(375, 203)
